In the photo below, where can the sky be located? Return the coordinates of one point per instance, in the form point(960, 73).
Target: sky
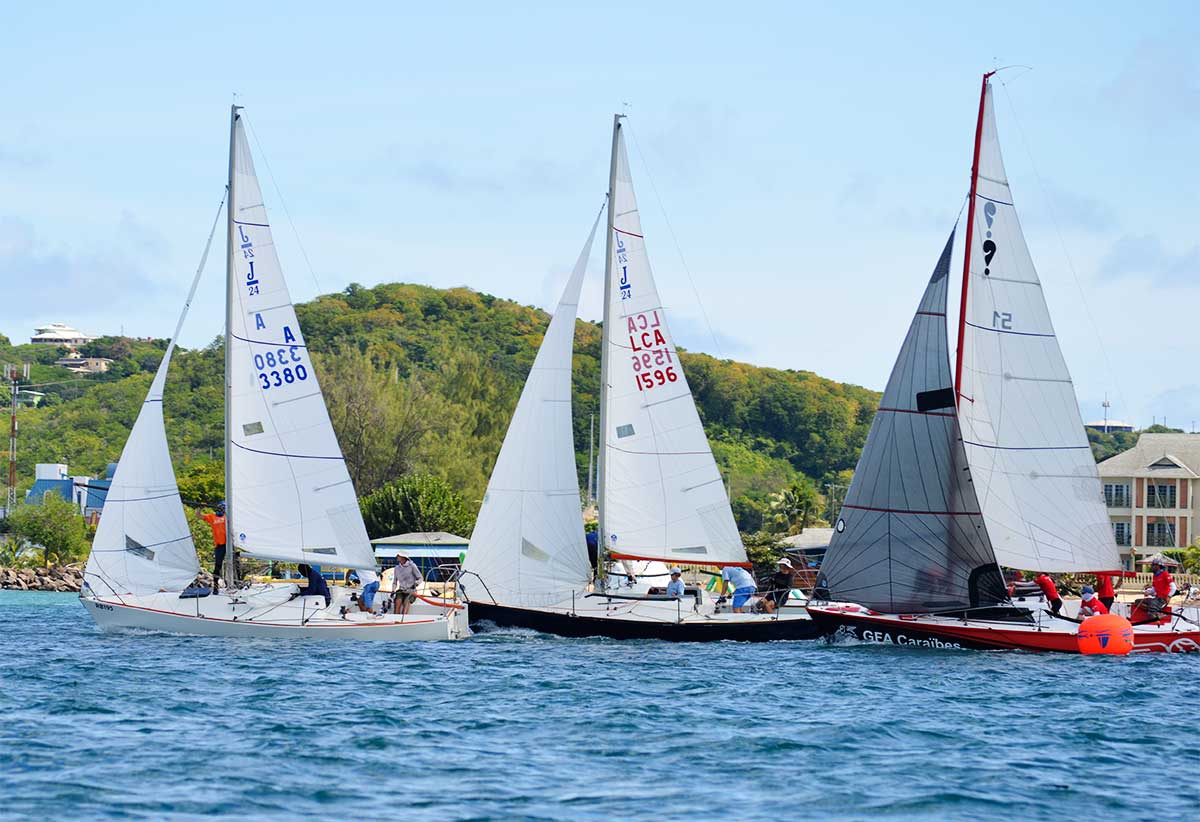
point(798, 165)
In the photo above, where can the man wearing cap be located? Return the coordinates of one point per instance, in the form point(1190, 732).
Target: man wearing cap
point(1091, 604)
point(406, 579)
point(675, 586)
point(781, 585)
point(1162, 588)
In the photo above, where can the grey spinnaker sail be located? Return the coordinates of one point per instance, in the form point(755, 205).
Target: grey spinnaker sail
point(911, 538)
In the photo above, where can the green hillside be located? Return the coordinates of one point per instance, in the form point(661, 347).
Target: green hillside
point(424, 380)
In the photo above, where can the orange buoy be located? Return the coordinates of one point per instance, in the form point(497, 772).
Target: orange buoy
point(1105, 634)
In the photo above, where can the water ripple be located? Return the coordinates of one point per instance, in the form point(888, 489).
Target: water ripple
point(515, 725)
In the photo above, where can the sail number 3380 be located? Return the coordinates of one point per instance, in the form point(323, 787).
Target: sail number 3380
point(281, 366)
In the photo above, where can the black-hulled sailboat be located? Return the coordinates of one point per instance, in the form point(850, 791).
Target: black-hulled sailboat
point(661, 496)
point(957, 479)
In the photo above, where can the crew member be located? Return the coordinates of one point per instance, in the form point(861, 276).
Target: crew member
point(1090, 604)
point(1163, 588)
point(1050, 590)
point(1104, 588)
point(782, 582)
point(406, 579)
point(370, 586)
point(742, 585)
point(675, 586)
point(216, 521)
point(315, 584)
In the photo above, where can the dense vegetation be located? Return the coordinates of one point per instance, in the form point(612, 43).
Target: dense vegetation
point(422, 380)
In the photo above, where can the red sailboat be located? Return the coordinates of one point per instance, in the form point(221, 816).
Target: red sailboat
point(959, 478)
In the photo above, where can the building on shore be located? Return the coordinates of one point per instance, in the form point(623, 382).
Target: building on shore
point(60, 334)
point(428, 550)
point(1109, 426)
point(84, 365)
point(1151, 494)
point(86, 492)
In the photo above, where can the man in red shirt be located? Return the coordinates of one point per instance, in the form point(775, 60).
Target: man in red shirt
point(1104, 589)
point(1091, 605)
point(1162, 585)
point(1050, 590)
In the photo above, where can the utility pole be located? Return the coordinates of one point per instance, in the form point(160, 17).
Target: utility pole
point(834, 505)
point(1107, 405)
point(11, 373)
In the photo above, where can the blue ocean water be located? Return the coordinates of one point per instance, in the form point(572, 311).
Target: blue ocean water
point(523, 726)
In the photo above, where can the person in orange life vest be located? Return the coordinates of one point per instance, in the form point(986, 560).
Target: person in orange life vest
point(1104, 589)
point(1091, 605)
point(216, 521)
point(1050, 590)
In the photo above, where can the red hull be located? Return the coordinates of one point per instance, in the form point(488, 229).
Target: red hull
point(935, 632)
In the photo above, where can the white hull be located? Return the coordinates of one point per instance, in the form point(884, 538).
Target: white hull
point(267, 611)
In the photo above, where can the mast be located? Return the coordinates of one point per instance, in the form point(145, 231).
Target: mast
point(966, 276)
point(230, 542)
point(591, 488)
point(602, 543)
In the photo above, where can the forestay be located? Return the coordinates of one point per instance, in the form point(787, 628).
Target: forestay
point(143, 544)
point(291, 498)
point(528, 545)
point(911, 538)
point(661, 494)
point(1033, 468)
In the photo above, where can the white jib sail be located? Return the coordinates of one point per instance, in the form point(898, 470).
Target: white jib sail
point(143, 544)
point(1034, 474)
point(662, 496)
point(292, 497)
point(528, 545)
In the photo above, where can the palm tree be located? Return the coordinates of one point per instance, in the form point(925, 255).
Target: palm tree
point(793, 506)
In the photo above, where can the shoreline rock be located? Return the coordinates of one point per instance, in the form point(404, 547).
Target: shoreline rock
point(60, 578)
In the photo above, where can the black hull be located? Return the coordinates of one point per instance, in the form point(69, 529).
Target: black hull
point(546, 622)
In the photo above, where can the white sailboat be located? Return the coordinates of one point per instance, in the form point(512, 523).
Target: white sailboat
point(661, 497)
point(994, 469)
point(290, 497)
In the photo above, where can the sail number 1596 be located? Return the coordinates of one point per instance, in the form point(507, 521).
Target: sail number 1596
point(660, 376)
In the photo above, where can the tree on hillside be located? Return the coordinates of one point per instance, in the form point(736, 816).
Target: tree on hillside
point(202, 483)
point(416, 503)
point(55, 525)
point(793, 508)
point(381, 421)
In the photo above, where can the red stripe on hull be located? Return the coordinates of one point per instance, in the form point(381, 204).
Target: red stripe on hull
point(915, 632)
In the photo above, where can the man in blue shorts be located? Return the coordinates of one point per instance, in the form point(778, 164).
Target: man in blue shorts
point(743, 586)
point(370, 587)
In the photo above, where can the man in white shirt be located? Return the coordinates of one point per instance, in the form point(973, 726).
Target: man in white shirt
point(370, 586)
point(742, 585)
point(406, 580)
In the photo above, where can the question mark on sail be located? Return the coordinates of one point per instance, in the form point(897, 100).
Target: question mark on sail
point(989, 214)
point(989, 251)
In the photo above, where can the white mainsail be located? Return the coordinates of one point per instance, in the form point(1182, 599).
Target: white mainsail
point(291, 498)
point(143, 544)
point(661, 494)
point(1034, 474)
point(528, 545)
